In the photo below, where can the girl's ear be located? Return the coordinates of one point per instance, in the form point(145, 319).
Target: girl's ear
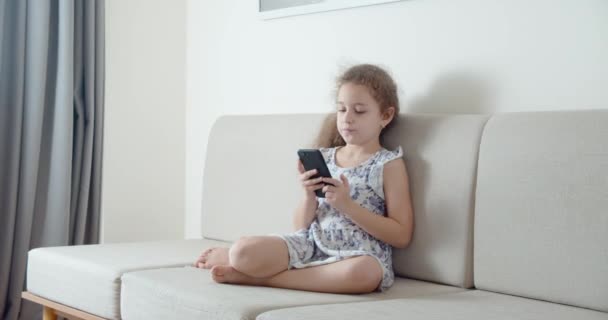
point(388, 115)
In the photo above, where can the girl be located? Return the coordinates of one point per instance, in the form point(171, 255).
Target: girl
point(342, 243)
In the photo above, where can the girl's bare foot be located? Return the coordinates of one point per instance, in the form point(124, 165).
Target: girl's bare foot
point(227, 274)
point(213, 257)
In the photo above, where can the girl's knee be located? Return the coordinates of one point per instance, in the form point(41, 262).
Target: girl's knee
point(242, 252)
point(366, 272)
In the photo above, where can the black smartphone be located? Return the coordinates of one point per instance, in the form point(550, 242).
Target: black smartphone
point(313, 159)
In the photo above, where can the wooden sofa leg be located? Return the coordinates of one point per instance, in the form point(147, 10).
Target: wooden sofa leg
point(51, 309)
point(48, 314)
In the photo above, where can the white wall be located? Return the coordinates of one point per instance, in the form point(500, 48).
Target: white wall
point(466, 56)
point(144, 133)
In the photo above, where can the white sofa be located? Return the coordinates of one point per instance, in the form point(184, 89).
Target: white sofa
point(511, 222)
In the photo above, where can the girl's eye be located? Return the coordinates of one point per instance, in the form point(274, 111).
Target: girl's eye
point(359, 112)
point(341, 109)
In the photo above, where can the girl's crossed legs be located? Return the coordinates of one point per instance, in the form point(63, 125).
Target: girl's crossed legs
point(263, 261)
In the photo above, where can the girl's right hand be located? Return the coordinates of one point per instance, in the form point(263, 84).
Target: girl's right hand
point(309, 185)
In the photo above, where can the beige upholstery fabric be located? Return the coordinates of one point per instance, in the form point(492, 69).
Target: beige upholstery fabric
point(88, 277)
point(471, 305)
point(250, 174)
point(541, 225)
point(441, 158)
point(440, 152)
point(190, 293)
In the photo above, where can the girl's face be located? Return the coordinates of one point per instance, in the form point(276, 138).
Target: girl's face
point(359, 118)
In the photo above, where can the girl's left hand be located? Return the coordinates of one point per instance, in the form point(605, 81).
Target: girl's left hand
point(338, 193)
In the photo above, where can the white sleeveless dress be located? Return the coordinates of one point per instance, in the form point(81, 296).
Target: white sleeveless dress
point(332, 236)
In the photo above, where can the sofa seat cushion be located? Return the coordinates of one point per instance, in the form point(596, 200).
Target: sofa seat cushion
point(190, 293)
point(469, 305)
point(88, 277)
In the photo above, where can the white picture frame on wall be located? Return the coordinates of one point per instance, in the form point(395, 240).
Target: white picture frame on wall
point(273, 9)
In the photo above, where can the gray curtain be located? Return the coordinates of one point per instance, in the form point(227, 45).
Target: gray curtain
point(51, 125)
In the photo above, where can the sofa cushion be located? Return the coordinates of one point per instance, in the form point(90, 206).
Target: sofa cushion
point(266, 185)
point(541, 222)
point(190, 293)
point(88, 277)
point(470, 305)
point(441, 156)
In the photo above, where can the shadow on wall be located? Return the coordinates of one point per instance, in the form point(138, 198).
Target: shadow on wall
point(455, 93)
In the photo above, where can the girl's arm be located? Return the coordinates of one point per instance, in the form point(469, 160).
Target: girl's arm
point(305, 213)
point(396, 229)
point(307, 209)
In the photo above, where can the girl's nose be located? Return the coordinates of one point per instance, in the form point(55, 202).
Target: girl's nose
point(348, 117)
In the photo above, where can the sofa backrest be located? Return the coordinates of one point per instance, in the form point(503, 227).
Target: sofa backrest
point(250, 184)
point(440, 152)
point(541, 219)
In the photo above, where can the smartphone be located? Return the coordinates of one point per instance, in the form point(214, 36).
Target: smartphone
point(313, 159)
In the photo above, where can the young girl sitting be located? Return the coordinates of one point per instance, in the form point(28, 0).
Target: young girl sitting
point(343, 242)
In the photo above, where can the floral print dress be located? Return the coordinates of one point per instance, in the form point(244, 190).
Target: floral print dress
point(332, 236)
